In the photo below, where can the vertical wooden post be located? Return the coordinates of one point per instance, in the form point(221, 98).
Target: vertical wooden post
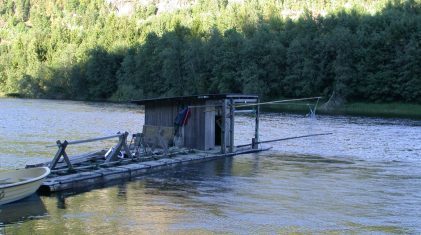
point(125, 147)
point(223, 127)
point(232, 109)
point(255, 144)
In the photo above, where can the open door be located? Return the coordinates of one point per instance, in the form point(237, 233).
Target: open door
point(218, 132)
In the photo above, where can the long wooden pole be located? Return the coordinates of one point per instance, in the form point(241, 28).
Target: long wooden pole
point(258, 103)
point(277, 101)
point(288, 138)
point(88, 140)
point(93, 140)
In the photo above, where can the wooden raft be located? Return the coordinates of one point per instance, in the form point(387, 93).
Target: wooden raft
point(102, 176)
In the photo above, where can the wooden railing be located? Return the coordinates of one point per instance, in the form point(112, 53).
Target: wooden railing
point(111, 156)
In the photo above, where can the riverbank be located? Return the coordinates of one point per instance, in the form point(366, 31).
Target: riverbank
point(390, 110)
point(13, 95)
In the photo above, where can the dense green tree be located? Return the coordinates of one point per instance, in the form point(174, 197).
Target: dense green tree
point(75, 49)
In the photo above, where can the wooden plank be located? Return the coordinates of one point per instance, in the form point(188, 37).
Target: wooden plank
point(184, 158)
point(210, 125)
point(194, 130)
point(245, 101)
point(168, 161)
point(153, 164)
point(160, 114)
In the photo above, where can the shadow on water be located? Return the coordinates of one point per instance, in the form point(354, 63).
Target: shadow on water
point(29, 208)
point(188, 178)
point(181, 178)
point(184, 181)
point(300, 158)
point(65, 194)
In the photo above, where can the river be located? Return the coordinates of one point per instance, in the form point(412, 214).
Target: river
point(364, 178)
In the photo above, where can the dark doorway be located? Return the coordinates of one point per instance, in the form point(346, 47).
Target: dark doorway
point(218, 124)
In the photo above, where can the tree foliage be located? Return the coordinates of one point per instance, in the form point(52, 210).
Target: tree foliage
point(85, 50)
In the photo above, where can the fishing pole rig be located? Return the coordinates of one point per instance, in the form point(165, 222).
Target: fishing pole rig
point(255, 141)
point(311, 114)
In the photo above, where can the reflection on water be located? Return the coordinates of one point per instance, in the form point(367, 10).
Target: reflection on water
point(268, 193)
point(359, 180)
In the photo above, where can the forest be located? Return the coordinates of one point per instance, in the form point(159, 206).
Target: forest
point(85, 50)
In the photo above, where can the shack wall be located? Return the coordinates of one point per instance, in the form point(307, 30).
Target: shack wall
point(160, 114)
point(201, 129)
point(195, 132)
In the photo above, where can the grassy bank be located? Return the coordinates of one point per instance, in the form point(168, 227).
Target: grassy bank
point(397, 110)
point(13, 95)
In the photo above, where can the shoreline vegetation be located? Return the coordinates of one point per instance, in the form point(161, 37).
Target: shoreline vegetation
point(348, 50)
point(380, 110)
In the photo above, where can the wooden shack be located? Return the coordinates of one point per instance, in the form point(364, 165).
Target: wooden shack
point(208, 122)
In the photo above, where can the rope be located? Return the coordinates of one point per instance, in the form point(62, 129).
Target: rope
point(261, 103)
point(278, 101)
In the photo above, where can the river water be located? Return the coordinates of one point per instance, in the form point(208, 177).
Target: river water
point(364, 178)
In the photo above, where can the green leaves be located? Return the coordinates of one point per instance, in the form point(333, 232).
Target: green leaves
point(85, 50)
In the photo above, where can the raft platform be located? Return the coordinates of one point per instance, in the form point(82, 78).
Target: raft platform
point(120, 171)
point(176, 131)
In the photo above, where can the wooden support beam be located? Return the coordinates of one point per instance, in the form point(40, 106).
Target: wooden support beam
point(223, 127)
point(231, 115)
point(126, 147)
point(61, 152)
point(255, 142)
point(122, 144)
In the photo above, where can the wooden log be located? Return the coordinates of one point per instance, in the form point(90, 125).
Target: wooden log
point(94, 139)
